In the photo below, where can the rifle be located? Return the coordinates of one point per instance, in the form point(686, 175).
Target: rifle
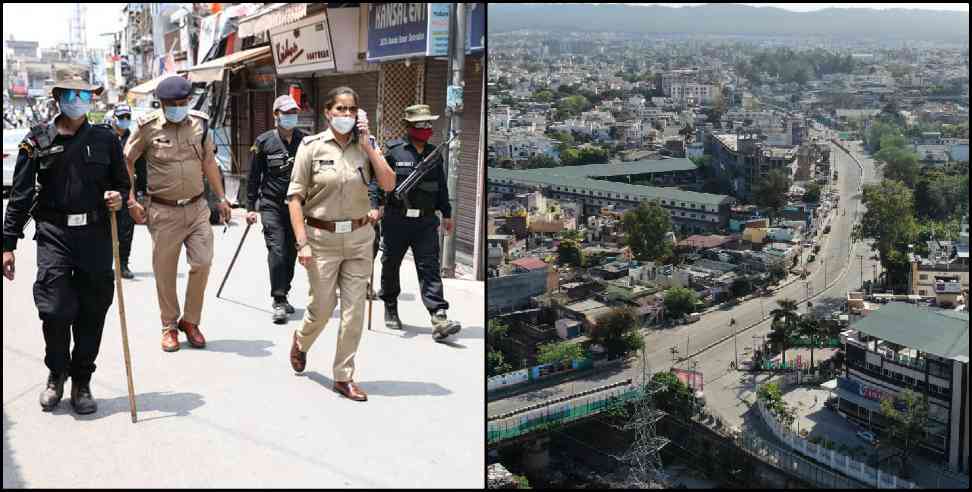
point(421, 169)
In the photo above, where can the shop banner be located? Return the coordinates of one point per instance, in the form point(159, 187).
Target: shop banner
point(303, 46)
point(404, 30)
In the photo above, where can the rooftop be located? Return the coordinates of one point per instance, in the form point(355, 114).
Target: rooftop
point(530, 263)
point(935, 331)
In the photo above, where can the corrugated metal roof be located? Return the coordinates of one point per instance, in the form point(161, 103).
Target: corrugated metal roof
point(936, 331)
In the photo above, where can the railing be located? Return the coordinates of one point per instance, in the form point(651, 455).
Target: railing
point(558, 414)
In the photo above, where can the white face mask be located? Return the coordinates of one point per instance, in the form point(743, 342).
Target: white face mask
point(342, 124)
point(287, 121)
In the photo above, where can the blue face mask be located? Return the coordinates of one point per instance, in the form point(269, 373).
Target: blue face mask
point(123, 124)
point(74, 109)
point(287, 121)
point(176, 114)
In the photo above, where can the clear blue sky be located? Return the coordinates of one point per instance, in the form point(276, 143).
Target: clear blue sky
point(806, 7)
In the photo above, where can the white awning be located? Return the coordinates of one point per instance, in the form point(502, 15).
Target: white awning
point(271, 16)
point(149, 87)
point(212, 71)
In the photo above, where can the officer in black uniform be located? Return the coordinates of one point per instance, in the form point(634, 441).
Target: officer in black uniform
point(79, 169)
point(416, 227)
point(273, 161)
point(120, 119)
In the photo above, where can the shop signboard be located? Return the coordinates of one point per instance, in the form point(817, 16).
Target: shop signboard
point(303, 46)
point(476, 29)
point(404, 30)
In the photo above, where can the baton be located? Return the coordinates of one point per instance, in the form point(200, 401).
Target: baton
point(230, 269)
point(121, 315)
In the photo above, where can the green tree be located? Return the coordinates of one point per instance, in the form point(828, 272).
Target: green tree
point(680, 301)
point(890, 222)
point(770, 192)
point(574, 105)
point(785, 322)
point(810, 327)
point(541, 161)
point(617, 331)
point(496, 364)
point(496, 333)
point(900, 164)
point(906, 428)
point(676, 398)
point(544, 96)
point(559, 352)
point(741, 286)
point(645, 229)
point(812, 193)
point(570, 253)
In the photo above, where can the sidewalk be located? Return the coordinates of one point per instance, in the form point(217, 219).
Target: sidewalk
point(234, 415)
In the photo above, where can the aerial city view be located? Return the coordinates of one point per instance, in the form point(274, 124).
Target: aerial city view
point(727, 246)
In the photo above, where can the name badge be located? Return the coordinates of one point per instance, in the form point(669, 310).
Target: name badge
point(77, 220)
point(342, 227)
point(413, 213)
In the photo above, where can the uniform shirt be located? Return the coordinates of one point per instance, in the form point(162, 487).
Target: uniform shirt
point(332, 181)
point(140, 182)
point(174, 153)
point(402, 156)
point(270, 180)
point(71, 182)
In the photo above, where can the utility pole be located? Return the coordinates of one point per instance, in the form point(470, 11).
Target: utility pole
point(457, 57)
point(862, 269)
point(735, 348)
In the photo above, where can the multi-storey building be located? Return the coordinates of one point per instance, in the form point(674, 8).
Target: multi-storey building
point(904, 346)
point(598, 186)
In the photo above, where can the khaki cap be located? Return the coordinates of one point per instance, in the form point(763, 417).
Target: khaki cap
point(74, 81)
point(419, 112)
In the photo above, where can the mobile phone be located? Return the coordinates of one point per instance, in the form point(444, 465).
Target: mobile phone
point(357, 117)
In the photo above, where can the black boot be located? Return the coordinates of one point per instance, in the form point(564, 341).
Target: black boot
point(279, 313)
point(51, 396)
point(81, 398)
point(391, 317)
point(126, 273)
point(444, 327)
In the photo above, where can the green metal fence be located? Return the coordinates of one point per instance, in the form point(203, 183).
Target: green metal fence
point(557, 414)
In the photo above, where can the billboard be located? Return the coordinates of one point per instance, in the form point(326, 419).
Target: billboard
point(476, 27)
point(303, 46)
point(404, 30)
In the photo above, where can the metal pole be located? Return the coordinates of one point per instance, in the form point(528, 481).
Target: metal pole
point(457, 44)
point(233, 261)
point(862, 269)
point(735, 348)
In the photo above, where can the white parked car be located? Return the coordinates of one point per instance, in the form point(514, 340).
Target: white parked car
point(868, 437)
point(11, 142)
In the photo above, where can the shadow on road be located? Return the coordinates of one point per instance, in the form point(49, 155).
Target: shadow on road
point(386, 388)
point(11, 471)
point(173, 404)
point(412, 331)
point(244, 348)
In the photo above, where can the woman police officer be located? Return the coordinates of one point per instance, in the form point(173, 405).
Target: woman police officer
point(329, 205)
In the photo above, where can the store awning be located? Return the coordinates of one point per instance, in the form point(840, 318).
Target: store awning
point(858, 400)
point(271, 16)
point(149, 87)
point(212, 71)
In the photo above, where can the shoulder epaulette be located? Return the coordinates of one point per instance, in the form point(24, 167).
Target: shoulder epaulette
point(199, 114)
point(310, 138)
point(395, 143)
point(150, 117)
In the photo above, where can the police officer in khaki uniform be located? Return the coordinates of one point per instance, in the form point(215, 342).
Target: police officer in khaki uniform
point(329, 205)
point(178, 154)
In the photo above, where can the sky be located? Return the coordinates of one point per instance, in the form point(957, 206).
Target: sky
point(807, 7)
point(21, 20)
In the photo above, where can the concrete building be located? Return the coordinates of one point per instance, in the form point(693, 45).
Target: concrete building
point(904, 346)
point(948, 262)
point(744, 160)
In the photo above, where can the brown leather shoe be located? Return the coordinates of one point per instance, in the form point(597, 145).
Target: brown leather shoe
point(170, 340)
point(192, 332)
point(351, 390)
point(298, 359)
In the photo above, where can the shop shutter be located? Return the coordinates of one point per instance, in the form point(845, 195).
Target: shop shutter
point(469, 162)
point(262, 104)
point(436, 81)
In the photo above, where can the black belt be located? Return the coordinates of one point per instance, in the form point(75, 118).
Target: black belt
point(70, 220)
point(404, 212)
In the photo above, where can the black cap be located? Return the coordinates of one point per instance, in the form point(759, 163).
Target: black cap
point(174, 87)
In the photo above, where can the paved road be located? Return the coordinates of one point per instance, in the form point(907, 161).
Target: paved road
point(690, 339)
point(235, 415)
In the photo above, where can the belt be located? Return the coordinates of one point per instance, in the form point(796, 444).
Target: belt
point(412, 213)
point(176, 203)
point(70, 220)
point(339, 226)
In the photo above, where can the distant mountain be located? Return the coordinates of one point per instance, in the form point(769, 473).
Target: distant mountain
point(732, 19)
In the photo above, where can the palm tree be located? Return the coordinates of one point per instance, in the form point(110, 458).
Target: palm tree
point(812, 328)
point(785, 319)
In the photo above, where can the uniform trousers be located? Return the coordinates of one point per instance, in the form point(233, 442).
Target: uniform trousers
point(73, 291)
point(171, 229)
point(281, 247)
point(399, 233)
point(339, 260)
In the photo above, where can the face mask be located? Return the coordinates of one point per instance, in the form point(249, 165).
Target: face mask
point(75, 109)
point(287, 121)
point(176, 114)
point(123, 124)
point(342, 124)
point(420, 134)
